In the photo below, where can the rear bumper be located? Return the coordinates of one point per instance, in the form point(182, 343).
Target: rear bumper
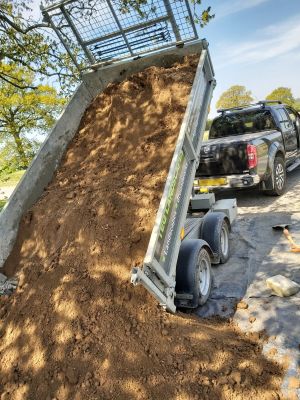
point(233, 181)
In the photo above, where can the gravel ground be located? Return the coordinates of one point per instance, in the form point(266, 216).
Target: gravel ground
point(258, 252)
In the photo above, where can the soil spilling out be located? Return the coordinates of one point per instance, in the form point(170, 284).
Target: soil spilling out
point(76, 328)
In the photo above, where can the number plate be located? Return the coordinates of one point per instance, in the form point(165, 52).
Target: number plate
point(212, 182)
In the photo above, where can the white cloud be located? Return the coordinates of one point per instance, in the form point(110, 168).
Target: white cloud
point(272, 41)
point(236, 6)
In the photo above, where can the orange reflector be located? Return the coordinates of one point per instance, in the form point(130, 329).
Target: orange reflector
point(182, 233)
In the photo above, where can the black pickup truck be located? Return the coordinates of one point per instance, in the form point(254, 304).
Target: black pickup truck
point(251, 145)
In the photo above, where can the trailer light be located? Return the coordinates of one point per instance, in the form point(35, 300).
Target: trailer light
point(252, 156)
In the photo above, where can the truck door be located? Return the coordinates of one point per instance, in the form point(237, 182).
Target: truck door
point(289, 133)
point(295, 118)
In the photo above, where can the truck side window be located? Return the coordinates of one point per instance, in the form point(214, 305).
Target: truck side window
point(294, 117)
point(283, 119)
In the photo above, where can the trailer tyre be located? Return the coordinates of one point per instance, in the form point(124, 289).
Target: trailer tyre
point(193, 274)
point(215, 231)
point(204, 277)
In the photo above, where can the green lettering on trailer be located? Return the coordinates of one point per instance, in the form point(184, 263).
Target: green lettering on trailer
point(171, 193)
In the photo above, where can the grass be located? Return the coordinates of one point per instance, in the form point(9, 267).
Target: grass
point(2, 204)
point(11, 179)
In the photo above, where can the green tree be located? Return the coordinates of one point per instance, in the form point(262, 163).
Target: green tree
point(235, 96)
point(23, 112)
point(10, 160)
point(297, 105)
point(32, 46)
point(283, 94)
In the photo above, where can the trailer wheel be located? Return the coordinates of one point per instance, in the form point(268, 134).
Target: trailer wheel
point(215, 231)
point(204, 278)
point(193, 274)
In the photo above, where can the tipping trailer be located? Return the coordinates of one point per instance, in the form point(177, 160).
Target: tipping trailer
point(191, 231)
point(108, 45)
point(176, 267)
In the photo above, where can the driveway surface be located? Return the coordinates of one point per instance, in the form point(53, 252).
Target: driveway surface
point(258, 252)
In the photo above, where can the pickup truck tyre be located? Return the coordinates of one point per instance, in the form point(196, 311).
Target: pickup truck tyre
point(193, 273)
point(215, 231)
point(278, 177)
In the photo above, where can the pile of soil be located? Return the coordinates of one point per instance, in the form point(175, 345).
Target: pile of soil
point(76, 328)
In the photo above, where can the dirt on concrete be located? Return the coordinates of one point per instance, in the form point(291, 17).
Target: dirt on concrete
point(76, 328)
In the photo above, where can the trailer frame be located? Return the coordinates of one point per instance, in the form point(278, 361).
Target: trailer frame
point(158, 273)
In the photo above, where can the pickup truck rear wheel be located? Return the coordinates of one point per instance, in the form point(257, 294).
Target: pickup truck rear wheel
point(279, 177)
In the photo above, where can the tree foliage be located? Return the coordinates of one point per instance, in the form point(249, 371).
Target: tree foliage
point(24, 112)
point(32, 46)
point(201, 17)
point(235, 96)
point(297, 105)
point(10, 160)
point(283, 94)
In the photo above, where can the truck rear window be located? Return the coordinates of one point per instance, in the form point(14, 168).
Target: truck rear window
point(240, 123)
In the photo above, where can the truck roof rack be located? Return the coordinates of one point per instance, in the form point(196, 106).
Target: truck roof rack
point(224, 110)
point(261, 103)
point(264, 102)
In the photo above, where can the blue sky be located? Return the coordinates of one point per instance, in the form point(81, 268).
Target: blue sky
point(255, 43)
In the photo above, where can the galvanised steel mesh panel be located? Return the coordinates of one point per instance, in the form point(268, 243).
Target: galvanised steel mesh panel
point(141, 40)
point(98, 31)
point(183, 19)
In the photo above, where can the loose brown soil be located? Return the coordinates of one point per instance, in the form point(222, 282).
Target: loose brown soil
point(76, 328)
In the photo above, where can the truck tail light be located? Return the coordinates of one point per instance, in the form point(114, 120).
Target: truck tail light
point(252, 156)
